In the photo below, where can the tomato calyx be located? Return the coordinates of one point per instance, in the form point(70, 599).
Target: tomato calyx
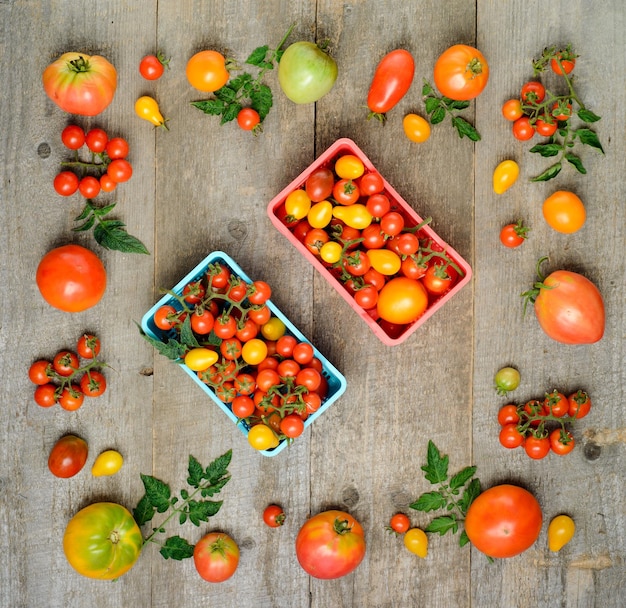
point(342, 526)
point(530, 296)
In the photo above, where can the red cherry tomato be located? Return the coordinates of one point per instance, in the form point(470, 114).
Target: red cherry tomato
point(274, 516)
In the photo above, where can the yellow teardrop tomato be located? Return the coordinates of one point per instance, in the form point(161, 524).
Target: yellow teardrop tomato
point(416, 541)
point(560, 532)
point(254, 351)
point(199, 359)
point(387, 262)
point(148, 109)
point(356, 215)
point(261, 437)
point(416, 128)
point(320, 214)
point(349, 166)
point(331, 252)
point(107, 463)
point(297, 204)
point(505, 175)
point(564, 212)
point(273, 329)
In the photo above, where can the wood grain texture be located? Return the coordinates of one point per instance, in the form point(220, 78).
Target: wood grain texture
point(201, 187)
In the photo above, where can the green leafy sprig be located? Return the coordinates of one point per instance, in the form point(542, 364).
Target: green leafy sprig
point(192, 506)
point(438, 107)
point(454, 494)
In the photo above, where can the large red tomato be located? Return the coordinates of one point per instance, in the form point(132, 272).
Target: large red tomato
point(71, 278)
point(569, 308)
point(330, 545)
point(461, 72)
point(503, 521)
point(102, 541)
point(216, 557)
point(80, 84)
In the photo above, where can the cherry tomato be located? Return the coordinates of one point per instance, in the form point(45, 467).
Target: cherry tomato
point(556, 404)
point(562, 442)
point(71, 398)
point(262, 437)
point(200, 358)
point(371, 183)
point(225, 326)
point(216, 557)
point(120, 170)
point(96, 140)
point(560, 531)
point(66, 183)
point(392, 79)
point(206, 71)
point(533, 92)
point(242, 406)
point(248, 119)
point(416, 128)
point(506, 379)
point(545, 128)
point(564, 212)
point(513, 235)
point(93, 384)
point(461, 72)
point(117, 147)
point(378, 204)
point(505, 175)
point(366, 297)
point(392, 223)
point(579, 404)
point(89, 186)
point(399, 523)
point(563, 62)
point(523, 129)
point(68, 456)
point(152, 67)
point(46, 395)
point(439, 278)
point(106, 183)
point(148, 109)
point(107, 463)
point(508, 414)
point(537, 447)
point(65, 363)
point(292, 426)
point(254, 351)
point(260, 293)
point(274, 516)
point(319, 184)
point(510, 436)
point(512, 109)
point(562, 111)
point(416, 541)
point(346, 192)
point(273, 329)
point(73, 137)
point(39, 372)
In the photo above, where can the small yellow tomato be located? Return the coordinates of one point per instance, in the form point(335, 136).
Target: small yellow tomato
point(356, 215)
point(254, 351)
point(107, 463)
point(416, 128)
point(505, 175)
point(387, 262)
point(320, 214)
point(297, 204)
point(199, 359)
point(416, 541)
point(273, 329)
point(349, 166)
point(564, 212)
point(262, 437)
point(560, 532)
point(331, 252)
point(148, 109)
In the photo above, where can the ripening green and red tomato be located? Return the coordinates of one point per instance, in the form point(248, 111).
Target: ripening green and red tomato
point(216, 557)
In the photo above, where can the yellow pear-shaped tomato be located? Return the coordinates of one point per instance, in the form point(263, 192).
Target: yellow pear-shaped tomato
point(356, 215)
point(387, 262)
point(320, 214)
point(199, 359)
point(505, 175)
point(107, 463)
point(560, 532)
point(147, 108)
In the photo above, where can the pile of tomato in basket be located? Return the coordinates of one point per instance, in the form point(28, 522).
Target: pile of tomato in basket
point(347, 219)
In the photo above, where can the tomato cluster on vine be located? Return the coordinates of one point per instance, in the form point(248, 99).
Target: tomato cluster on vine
point(64, 381)
point(345, 216)
point(540, 425)
point(106, 168)
point(226, 333)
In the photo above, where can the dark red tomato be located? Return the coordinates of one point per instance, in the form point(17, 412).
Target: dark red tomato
point(96, 140)
point(392, 79)
point(274, 516)
point(292, 426)
point(513, 235)
point(439, 278)
point(68, 456)
point(545, 129)
point(301, 229)
point(510, 436)
point(93, 384)
point(378, 204)
point(579, 404)
point(319, 185)
point(508, 414)
point(371, 183)
point(88, 346)
point(73, 137)
point(562, 442)
point(117, 147)
point(46, 395)
point(346, 192)
point(375, 278)
point(537, 447)
point(533, 92)
point(216, 557)
point(39, 372)
point(66, 183)
point(556, 404)
point(152, 67)
point(523, 130)
point(89, 186)
point(65, 363)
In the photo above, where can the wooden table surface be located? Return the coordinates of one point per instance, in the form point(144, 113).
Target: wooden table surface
point(201, 187)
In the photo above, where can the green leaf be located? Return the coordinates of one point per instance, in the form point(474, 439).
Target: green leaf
point(589, 138)
point(86, 225)
point(469, 495)
point(547, 150)
point(438, 115)
point(201, 510)
point(548, 174)
point(157, 492)
point(426, 89)
point(462, 477)
point(144, 511)
point(187, 337)
point(429, 501)
point(102, 211)
point(432, 103)
point(196, 473)
point(112, 234)
point(213, 107)
point(229, 92)
point(436, 468)
point(453, 104)
point(257, 57)
point(587, 115)
point(215, 488)
point(261, 100)
point(464, 539)
point(85, 213)
point(465, 129)
point(176, 548)
point(443, 524)
point(575, 160)
point(230, 112)
point(182, 518)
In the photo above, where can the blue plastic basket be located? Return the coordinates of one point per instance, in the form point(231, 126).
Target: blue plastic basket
point(336, 381)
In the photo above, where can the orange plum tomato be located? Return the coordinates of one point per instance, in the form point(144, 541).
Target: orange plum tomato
point(402, 300)
point(564, 212)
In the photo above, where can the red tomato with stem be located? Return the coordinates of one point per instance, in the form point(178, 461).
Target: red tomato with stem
point(537, 447)
point(71, 398)
point(399, 523)
point(68, 456)
point(248, 119)
point(39, 372)
point(330, 545)
point(93, 384)
point(152, 67)
point(292, 426)
point(461, 72)
point(88, 346)
point(274, 516)
point(371, 183)
point(533, 92)
point(579, 404)
point(508, 414)
point(117, 147)
point(503, 521)
point(561, 441)
point(46, 395)
point(523, 129)
point(391, 82)
point(89, 186)
point(96, 140)
point(513, 235)
point(512, 109)
point(216, 557)
point(510, 436)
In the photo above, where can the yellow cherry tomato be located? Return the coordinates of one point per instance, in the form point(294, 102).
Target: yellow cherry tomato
point(416, 128)
point(254, 351)
point(387, 262)
point(148, 109)
point(320, 214)
point(297, 204)
point(560, 532)
point(261, 437)
point(199, 359)
point(505, 175)
point(356, 215)
point(349, 166)
point(331, 252)
point(416, 541)
point(273, 329)
point(564, 212)
point(107, 463)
